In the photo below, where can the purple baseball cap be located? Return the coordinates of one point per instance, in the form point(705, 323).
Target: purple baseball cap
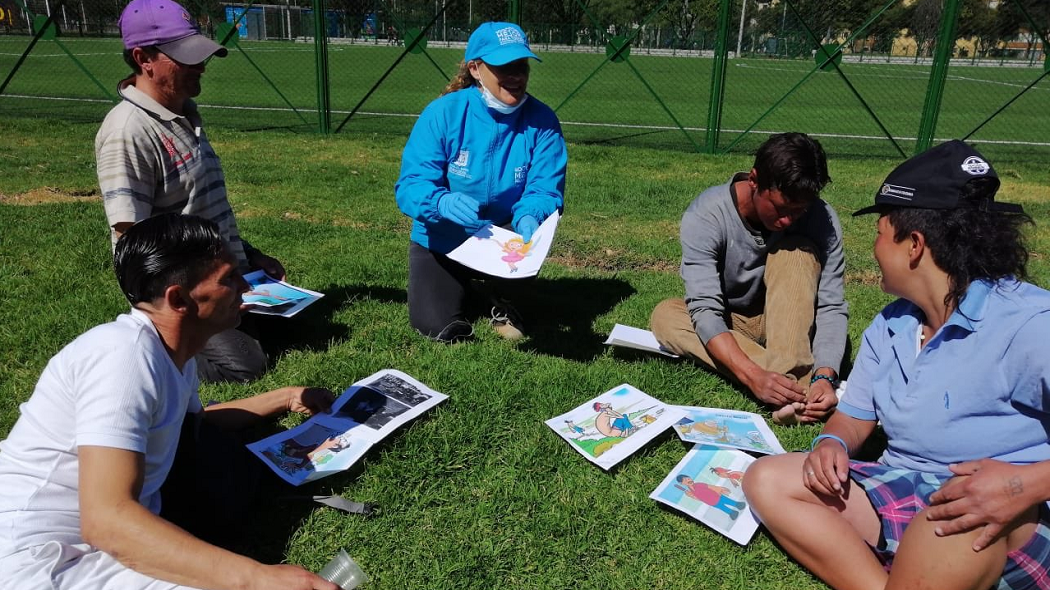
point(170, 27)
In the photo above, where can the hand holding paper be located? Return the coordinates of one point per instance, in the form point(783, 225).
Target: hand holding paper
point(526, 227)
point(502, 253)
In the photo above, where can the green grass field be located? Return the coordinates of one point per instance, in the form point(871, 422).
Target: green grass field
point(478, 493)
point(614, 106)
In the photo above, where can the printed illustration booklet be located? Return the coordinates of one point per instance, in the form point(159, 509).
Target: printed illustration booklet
point(612, 426)
point(364, 414)
point(727, 429)
point(636, 338)
point(269, 296)
point(706, 485)
point(502, 253)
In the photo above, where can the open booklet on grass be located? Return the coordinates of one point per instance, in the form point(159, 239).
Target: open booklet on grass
point(612, 426)
point(363, 415)
point(706, 485)
point(636, 338)
point(269, 296)
point(727, 429)
point(502, 253)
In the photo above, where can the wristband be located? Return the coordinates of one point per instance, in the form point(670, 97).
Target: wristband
point(821, 437)
point(834, 382)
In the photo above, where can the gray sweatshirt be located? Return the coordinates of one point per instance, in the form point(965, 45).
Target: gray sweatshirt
point(724, 260)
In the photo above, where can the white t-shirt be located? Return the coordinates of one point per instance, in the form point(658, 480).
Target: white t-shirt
point(114, 386)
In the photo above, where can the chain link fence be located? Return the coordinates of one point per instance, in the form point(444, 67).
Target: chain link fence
point(869, 77)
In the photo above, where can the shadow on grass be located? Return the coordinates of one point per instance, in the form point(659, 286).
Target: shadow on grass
point(560, 313)
point(314, 328)
point(279, 509)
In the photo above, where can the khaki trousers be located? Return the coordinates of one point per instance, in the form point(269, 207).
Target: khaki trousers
point(777, 340)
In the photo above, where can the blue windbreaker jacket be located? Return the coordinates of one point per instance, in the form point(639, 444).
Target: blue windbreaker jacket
point(513, 165)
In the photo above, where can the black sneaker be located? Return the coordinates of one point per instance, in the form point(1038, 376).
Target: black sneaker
point(506, 320)
point(457, 331)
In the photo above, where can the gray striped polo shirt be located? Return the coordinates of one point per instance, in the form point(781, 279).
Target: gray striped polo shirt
point(152, 161)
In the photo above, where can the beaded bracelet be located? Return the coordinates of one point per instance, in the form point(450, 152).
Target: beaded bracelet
point(834, 382)
point(821, 437)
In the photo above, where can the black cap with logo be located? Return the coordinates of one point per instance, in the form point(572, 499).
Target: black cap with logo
point(936, 179)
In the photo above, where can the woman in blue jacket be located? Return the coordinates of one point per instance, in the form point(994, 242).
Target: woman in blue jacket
point(484, 152)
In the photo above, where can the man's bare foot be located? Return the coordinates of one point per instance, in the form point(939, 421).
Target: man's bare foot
point(789, 415)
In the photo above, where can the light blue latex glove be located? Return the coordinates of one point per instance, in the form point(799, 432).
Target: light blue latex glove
point(527, 226)
point(458, 208)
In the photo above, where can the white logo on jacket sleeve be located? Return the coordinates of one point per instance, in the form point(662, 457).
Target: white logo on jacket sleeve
point(520, 173)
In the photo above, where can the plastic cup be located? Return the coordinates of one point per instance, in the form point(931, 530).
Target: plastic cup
point(343, 571)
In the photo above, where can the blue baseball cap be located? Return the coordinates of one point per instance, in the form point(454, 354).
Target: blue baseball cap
point(498, 43)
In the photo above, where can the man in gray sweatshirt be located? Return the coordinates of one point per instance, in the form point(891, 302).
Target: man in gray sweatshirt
point(763, 270)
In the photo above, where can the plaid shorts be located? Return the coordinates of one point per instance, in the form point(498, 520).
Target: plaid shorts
point(899, 494)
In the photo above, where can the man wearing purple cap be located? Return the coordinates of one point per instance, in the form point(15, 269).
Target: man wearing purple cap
point(154, 157)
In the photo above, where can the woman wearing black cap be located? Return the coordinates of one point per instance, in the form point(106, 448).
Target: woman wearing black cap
point(484, 152)
point(956, 371)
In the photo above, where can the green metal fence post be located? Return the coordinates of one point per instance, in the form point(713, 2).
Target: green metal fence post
point(718, 78)
point(514, 11)
point(938, 75)
point(324, 104)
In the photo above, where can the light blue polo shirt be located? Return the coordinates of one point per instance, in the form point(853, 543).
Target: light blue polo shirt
point(979, 389)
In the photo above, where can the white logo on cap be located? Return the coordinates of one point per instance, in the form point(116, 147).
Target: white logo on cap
point(900, 192)
point(975, 166)
point(510, 35)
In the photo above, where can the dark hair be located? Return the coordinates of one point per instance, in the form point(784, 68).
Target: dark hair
point(969, 242)
point(150, 50)
point(169, 249)
point(793, 163)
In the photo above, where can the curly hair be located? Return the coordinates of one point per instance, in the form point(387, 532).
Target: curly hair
point(793, 163)
point(971, 242)
point(462, 79)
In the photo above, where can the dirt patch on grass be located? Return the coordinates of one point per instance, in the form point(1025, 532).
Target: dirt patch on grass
point(611, 261)
point(48, 194)
point(871, 278)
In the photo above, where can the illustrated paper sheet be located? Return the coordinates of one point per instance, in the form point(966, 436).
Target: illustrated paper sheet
point(612, 426)
point(331, 442)
point(502, 253)
point(637, 339)
point(727, 429)
point(268, 296)
point(706, 485)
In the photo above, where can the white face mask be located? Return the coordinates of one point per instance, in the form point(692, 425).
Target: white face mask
point(498, 105)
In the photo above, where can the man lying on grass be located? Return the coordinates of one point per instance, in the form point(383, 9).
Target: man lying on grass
point(89, 461)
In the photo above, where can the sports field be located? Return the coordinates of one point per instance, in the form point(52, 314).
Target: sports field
point(479, 493)
point(616, 105)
